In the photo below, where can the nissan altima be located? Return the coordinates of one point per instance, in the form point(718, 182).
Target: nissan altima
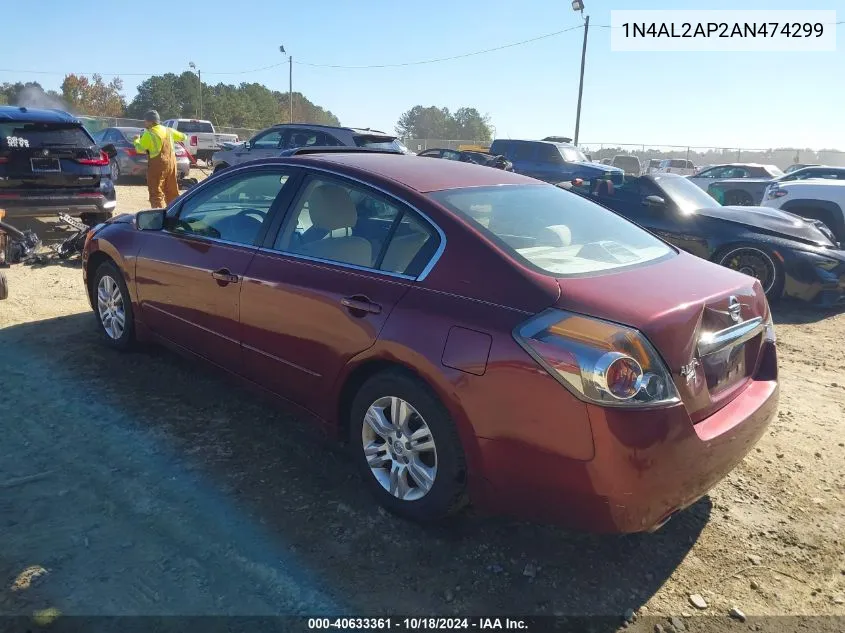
point(475, 335)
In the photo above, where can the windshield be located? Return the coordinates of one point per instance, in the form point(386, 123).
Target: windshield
point(689, 197)
point(381, 142)
point(554, 230)
point(195, 127)
point(572, 155)
point(23, 135)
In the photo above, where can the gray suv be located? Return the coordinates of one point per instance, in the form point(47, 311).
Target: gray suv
point(286, 136)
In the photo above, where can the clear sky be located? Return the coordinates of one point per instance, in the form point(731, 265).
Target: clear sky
point(753, 100)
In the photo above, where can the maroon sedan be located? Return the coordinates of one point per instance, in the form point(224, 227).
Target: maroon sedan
point(475, 334)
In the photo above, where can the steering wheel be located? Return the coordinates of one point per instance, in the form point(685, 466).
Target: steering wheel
point(255, 213)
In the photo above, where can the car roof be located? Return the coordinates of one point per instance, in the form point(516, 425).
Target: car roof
point(320, 126)
point(533, 141)
point(35, 115)
point(421, 174)
point(808, 182)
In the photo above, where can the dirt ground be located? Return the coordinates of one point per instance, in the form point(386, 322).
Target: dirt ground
point(147, 484)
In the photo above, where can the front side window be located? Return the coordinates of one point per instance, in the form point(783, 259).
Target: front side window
point(232, 210)
point(573, 155)
point(559, 232)
point(271, 139)
point(347, 224)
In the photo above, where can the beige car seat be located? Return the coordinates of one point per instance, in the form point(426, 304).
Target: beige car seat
point(331, 208)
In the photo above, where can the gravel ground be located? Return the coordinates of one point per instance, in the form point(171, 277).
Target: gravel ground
point(147, 484)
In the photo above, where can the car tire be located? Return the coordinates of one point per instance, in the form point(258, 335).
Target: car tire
point(220, 168)
point(753, 260)
point(423, 478)
point(111, 301)
point(4, 286)
point(738, 198)
point(114, 170)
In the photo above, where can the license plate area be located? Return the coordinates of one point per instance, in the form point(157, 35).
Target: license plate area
point(729, 366)
point(45, 165)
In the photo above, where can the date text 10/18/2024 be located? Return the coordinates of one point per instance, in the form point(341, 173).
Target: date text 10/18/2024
point(417, 624)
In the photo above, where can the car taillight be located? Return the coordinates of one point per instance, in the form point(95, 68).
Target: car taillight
point(194, 141)
point(102, 161)
point(598, 361)
point(776, 192)
point(180, 151)
point(4, 159)
point(130, 151)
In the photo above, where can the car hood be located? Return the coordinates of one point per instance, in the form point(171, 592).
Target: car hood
point(770, 220)
point(607, 169)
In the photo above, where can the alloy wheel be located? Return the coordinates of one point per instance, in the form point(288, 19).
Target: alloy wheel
point(115, 171)
point(753, 262)
point(110, 307)
point(399, 448)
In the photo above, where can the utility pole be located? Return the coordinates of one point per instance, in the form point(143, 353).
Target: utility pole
point(581, 82)
point(193, 66)
point(290, 81)
point(199, 78)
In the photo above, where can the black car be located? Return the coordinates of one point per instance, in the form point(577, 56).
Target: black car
point(466, 156)
point(791, 256)
point(50, 164)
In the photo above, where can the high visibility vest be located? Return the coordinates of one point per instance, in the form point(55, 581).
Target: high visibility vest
point(151, 141)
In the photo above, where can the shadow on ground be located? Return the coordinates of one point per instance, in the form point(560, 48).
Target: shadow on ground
point(279, 476)
point(798, 313)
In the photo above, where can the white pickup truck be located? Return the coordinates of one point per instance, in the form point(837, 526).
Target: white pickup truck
point(202, 141)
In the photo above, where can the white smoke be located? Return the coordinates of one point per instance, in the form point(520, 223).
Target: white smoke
point(35, 97)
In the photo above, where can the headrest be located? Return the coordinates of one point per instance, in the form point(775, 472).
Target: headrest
point(331, 208)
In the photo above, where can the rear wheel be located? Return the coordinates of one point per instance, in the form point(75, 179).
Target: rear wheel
point(738, 198)
point(756, 263)
point(113, 307)
point(407, 448)
point(114, 168)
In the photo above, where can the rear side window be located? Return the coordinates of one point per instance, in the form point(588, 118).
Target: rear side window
point(194, 127)
point(379, 142)
point(549, 154)
point(21, 135)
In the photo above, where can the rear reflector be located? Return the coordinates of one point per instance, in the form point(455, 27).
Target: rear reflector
point(4, 159)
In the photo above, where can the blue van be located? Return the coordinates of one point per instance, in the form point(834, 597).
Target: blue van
point(552, 162)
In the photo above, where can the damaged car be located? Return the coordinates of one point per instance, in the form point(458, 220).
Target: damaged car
point(477, 336)
point(789, 255)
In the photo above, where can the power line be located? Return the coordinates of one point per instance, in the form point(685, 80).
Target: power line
point(444, 59)
point(255, 70)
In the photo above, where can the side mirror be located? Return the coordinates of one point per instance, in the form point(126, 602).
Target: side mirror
point(152, 220)
point(247, 145)
point(654, 202)
point(110, 150)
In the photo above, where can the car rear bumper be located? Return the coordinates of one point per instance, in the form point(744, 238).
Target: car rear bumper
point(648, 465)
point(47, 205)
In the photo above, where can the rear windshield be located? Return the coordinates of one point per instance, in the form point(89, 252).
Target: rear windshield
point(380, 142)
point(682, 164)
point(18, 134)
point(554, 230)
point(194, 127)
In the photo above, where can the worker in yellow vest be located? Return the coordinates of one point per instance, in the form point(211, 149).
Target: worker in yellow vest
point(158, 143)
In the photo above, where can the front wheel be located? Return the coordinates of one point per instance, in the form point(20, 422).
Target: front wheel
point(407, 448)
point(757, 263)
point(114, 168)
point(113, 307)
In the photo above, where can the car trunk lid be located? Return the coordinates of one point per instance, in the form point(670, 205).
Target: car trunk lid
point(684, 306)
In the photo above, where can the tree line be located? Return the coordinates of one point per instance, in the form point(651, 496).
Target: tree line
point(465, 124)
point(247, 105)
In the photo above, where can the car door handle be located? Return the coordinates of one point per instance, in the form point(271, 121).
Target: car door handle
point(225, 276)
point(360, 304)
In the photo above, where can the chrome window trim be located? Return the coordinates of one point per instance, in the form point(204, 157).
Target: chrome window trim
point(386, 273)
point(426, 269)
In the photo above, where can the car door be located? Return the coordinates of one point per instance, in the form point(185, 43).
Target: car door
point(189, 275)
point(708, 176)
point(549, 165)
point(266, 144)
point(323, 286)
